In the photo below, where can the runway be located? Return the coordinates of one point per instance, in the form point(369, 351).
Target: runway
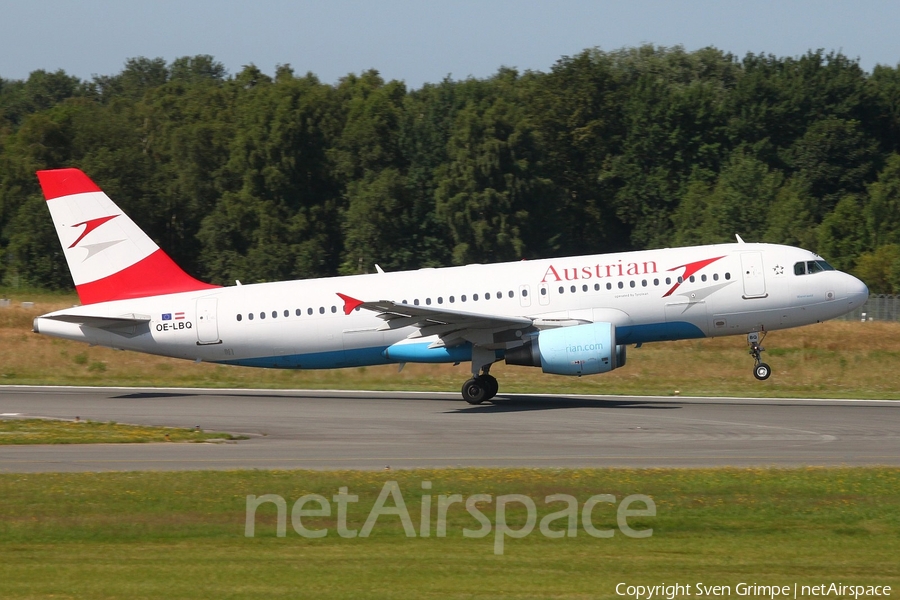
point(373, 430)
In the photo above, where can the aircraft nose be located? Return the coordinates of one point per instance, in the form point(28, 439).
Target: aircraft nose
point(857, 292)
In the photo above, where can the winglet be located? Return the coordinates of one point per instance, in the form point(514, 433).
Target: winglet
point(349, 303)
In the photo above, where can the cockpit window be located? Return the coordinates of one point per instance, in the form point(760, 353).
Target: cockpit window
point(811, 266)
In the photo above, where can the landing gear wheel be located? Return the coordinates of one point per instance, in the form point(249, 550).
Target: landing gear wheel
point(491, 385)
point(474, 391)
point(762, 371)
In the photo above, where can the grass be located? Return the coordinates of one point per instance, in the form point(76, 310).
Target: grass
point(181, 535)
point(835, 359)
point(48, 431)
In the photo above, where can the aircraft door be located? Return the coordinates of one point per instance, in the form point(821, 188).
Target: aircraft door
point(544, 294)
point(207, 328)
point(753, 275)
point(525, 295)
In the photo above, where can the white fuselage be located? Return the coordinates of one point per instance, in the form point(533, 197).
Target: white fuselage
point(727, 289)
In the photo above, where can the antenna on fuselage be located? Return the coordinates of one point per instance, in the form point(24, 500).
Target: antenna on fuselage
point(739, 239)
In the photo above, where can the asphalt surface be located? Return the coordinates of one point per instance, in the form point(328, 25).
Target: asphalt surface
point(305, 429)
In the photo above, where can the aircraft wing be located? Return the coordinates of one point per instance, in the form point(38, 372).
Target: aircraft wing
point(451, 326)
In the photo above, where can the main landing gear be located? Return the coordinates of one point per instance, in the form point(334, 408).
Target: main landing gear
point(760, 369)
point(480, 389)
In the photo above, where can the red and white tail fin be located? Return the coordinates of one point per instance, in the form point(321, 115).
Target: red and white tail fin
point(109, 256)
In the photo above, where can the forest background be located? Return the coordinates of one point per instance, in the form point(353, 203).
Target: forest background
point(261, 178)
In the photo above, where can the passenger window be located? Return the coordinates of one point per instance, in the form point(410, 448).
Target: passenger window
point(609, 286)
point(474, 297)
point(543, 291)
point(462, 298)
point(239, 317)
point(572, 289)
point(440, 300)
point(562, 289)
point(512, 295)
point(715, 276)
point(321, 310)
point(287, 313)
point(631, 283)
point(680, 279)
point(334, 309)
point(584, 288)
point(298, 312)
point(703, 278)
point(668, 281)
point(621, 285)
point(262, 315)
point(596, 287)
point(452, 299)
point(416, 301)
point(499, 295)
point(693, 279)
point(487, 296)
point(309, 311)
point(274, 314)
point(428, 301)
point(524, 293)
point(644, 283)
point(656, 282)
point(727, 276)
point(250, 316)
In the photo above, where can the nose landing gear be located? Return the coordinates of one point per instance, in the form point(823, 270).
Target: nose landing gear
point(760, 369)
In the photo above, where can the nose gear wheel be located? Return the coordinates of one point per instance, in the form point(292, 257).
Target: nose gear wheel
point(760, 369)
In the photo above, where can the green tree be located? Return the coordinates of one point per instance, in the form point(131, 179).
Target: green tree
point(739, 202)
point(836, 158)
point(278, 183)
point(880, 269)
point(883, 209)
point(790, 219)
point(490, 194)
point(841, 236)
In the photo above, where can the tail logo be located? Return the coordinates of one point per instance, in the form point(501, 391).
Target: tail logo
point(89, 226)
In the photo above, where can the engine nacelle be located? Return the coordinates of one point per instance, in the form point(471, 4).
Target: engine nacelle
point(578, 350)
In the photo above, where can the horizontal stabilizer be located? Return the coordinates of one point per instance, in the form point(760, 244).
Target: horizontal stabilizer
point(124, 321)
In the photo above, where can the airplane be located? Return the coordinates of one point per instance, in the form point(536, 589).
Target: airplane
point(567, 316)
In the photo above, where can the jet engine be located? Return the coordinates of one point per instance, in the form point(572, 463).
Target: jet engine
point(577, 350)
